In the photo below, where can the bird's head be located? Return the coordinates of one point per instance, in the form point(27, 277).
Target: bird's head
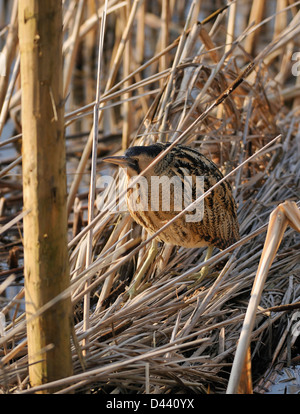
point(136, 159)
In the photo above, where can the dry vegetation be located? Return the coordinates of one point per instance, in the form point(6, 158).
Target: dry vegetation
point(161, 69)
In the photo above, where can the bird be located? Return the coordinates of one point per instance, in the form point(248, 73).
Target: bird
point(184, 170)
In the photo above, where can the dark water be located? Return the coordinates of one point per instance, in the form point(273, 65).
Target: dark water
point(286, 382)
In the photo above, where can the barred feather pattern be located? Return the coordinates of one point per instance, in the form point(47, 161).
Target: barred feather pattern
point(218, 225)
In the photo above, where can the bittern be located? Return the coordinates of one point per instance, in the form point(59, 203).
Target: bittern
point(171, 184)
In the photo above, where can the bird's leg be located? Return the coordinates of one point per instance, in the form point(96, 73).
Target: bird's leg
point(150, 257)
point(203, 272)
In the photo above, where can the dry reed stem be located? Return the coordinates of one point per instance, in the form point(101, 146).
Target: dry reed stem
point(92, 192)
point(9, 51)
point(285, 214)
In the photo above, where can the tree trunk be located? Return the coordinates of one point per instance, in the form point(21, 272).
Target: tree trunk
point(44, 190)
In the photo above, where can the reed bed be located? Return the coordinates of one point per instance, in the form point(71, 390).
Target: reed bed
point(169, 72)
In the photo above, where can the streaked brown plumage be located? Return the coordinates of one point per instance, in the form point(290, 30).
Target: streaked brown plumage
point(219, 226)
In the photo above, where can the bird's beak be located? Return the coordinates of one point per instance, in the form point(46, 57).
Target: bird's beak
point(122, 161)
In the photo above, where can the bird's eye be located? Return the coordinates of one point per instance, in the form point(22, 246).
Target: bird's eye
point(134, 164)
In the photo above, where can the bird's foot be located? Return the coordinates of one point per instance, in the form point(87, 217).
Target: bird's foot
point(134, 287)
point(199, 276)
